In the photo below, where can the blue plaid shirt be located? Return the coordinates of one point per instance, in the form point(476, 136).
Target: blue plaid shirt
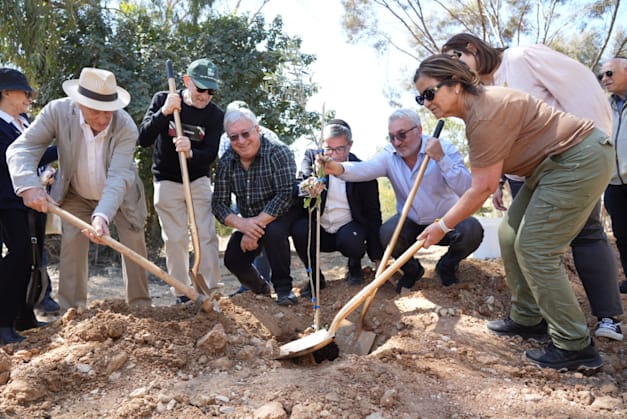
point(266, 185)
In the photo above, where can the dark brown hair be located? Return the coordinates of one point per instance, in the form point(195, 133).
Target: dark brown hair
point(444, 68)
point(488, 58)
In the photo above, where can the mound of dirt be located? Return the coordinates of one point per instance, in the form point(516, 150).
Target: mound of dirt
point(432, 357)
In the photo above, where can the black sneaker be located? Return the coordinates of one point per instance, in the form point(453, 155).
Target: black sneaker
point(355, 278)
point(447, 274)
point(288, 299)
point(623, 287)
point(182, 299)
point(408, 280)
point(48, 305)
point(563, 360)
point(508, 327)
point(307, 292)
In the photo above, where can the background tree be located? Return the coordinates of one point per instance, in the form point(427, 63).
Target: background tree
point(52, 40)
point(585, 30)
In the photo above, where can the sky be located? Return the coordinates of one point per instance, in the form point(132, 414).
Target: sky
point(351, 78)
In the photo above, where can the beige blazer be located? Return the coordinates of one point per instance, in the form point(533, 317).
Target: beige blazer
point(59, 122)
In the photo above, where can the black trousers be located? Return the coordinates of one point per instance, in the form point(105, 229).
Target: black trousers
point(275, 243)
point(15, 265)
point(461, 242)
point(350, 240)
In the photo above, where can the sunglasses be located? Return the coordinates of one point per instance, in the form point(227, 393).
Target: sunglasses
point(608, 74)
point(453, 53)
point(429, 94)
point(331, 150)
point(401, 135)
point(210, 91)
point(244, 134)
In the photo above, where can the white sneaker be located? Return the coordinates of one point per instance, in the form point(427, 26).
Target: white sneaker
point(608, 328)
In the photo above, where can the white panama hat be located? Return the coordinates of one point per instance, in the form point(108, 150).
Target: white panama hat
point(97, 89)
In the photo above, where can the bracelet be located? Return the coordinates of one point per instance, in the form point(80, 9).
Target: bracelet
point(443, 226)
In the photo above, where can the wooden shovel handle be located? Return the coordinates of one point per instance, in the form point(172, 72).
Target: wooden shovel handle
point(135, 257)
point(197, 278)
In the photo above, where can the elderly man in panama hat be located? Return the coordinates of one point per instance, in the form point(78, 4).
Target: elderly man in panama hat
point(97, 179)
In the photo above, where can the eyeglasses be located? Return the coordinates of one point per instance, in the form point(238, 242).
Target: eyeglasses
point(608, 74)
point(338, 149)
point(244, 134)
point(428, 94)
point(401, 135)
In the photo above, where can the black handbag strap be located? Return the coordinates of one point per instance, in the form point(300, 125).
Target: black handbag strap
point(34, 240)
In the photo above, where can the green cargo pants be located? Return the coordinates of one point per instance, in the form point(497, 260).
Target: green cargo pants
point(549, 211)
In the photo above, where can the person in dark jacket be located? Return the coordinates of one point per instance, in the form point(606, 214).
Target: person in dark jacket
point(202, 128)
point(350, 212)
point(15, 264)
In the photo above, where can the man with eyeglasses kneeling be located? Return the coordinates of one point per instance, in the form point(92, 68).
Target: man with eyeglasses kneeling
point(201, 121)
point(350, 212)
point(261, 174)
point(445, 180)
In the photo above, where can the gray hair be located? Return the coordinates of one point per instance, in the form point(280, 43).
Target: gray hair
point(234, 115)
point(405, 113)
point(336, 130)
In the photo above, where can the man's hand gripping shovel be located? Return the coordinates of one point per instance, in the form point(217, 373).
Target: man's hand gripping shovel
point(197, 278)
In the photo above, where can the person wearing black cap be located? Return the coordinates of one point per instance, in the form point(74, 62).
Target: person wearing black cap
point(202, 128)
point(350, 212)
point(97, 180)
point(16, 96)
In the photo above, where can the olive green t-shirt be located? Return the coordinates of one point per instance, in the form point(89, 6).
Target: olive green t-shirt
point(509, 125)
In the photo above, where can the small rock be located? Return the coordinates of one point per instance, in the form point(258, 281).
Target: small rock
point(223, 363)
point(5, 362)
point(272, 410)
point(23, 391)
point(222, 398)
point(215, 341)
point(389, 398)
point(271, 349)
point(4, 377)
point(533, 397)
point(375, 415)
point(171, 404)
point(489, 300)
point(116, 328)
point(116, 362)
point(586, 397)
point(84, 368)
point(247, 353)
point(606, 403)
point(608, 389)
point(160, 407)
point(138, 392)
point(332, 397)
point(115, 376)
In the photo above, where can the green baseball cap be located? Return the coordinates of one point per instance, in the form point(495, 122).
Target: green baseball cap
point(204, 74)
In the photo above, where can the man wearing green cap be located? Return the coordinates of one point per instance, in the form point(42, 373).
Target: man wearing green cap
point(202, 128)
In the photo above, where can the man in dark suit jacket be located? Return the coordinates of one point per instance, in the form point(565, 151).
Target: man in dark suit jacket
point(350, 215)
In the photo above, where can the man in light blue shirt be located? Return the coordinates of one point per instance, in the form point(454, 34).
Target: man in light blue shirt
point(444, 181)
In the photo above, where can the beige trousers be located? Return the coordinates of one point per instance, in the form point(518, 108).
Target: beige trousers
point(73, 265)
point(169, 200)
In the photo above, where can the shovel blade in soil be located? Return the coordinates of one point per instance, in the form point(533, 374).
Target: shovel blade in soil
point(306, 344)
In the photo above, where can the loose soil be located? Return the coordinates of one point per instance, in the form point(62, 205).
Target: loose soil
point(432, 356)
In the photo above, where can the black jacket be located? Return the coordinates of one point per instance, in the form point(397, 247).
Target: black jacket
point(8, 134)
point(363, 199)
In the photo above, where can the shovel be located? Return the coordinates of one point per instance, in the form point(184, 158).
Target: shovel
point(197, 278)
point(205, 302)
point(322, 338)
point(369, 336)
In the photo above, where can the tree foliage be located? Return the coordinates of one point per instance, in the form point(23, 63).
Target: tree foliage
point(586, 30)
point(51, 41)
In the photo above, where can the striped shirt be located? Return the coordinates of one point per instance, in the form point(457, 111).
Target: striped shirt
point(266, 185)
